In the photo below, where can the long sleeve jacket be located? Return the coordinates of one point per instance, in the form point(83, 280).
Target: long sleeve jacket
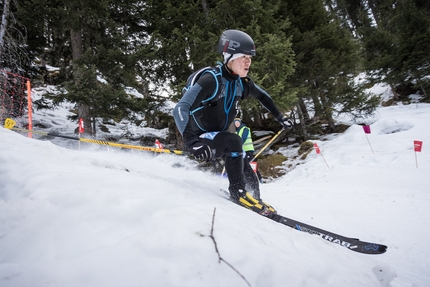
point(210, 105)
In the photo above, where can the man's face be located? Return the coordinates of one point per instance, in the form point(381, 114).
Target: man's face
point(237, 124)
point(240, 66)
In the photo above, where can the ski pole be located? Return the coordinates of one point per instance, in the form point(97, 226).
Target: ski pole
point(264, 147)
point(9, 123)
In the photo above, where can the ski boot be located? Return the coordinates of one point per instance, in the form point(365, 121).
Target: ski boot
point(262, 208)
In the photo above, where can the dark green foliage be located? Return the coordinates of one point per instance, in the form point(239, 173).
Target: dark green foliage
point(186, 38)
point(88, 41)
point(308, 51)
point(104, 100)
point(395, 37)
point(274, 62)
point(328, 60)
point(412, 63)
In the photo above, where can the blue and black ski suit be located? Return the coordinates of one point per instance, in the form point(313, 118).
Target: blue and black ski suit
point(205, 113)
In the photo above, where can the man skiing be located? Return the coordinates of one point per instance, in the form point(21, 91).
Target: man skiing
point(207, 109)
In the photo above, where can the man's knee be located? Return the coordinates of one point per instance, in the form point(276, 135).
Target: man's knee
point(233, 143)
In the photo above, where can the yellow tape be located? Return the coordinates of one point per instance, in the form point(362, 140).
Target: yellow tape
point(9, 123)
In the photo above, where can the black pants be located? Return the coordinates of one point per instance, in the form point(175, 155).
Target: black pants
point(248, 157)
point(241, 176)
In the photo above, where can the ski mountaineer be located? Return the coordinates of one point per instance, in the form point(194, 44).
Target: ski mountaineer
point(207, 109)
point(247, 146)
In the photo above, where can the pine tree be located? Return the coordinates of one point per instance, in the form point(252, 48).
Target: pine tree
point(394, 36)
point(90, 41)
point(185, 34)
point(412, 63)
point(328, 60)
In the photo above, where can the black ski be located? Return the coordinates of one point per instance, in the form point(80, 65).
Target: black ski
point(353, 244)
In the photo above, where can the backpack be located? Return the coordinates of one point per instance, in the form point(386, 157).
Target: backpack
point(211, 101)
point(192, 79)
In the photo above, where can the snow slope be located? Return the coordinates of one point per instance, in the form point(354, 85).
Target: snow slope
point(102, 216)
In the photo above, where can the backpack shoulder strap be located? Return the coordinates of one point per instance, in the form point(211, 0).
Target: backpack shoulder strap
point(217, 73)
point(192, 79)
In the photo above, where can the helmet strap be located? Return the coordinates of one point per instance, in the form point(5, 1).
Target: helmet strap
point(228, 69)
point(228, 59)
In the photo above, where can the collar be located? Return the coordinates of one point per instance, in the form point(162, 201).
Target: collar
point(228, 74)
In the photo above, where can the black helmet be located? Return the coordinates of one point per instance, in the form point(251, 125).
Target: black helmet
point(235, 42)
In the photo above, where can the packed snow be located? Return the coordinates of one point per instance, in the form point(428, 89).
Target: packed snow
point(93, 215)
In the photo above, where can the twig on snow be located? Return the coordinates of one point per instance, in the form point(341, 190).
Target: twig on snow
point(217, 251)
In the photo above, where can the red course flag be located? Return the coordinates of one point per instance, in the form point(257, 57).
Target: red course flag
point(158, 144)
point(81, 125)
point(366, 129)
point(317, 149)
point(254, 165)
point(418, 145)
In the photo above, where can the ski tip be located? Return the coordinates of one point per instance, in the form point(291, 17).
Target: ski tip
point(373, 248)
point(382, 249)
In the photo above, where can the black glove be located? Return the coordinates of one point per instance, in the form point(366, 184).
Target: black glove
point(201, 151)
point(286, 122)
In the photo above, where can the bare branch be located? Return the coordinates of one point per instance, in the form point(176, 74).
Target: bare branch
point(217, 251)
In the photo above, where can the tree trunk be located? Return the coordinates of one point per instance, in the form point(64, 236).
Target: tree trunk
point(317, 105)
point(328, 115)
point(257, 117)
point(76, 41)
point(83, 109)
point(205, 6)
point(3, 27)
point(422, 88)
point(302, 121)
point(304, 110)
point(372, 7)
point(395, 94)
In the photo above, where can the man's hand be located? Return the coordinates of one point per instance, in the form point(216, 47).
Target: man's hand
point(201, 151)
point(286, 122)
